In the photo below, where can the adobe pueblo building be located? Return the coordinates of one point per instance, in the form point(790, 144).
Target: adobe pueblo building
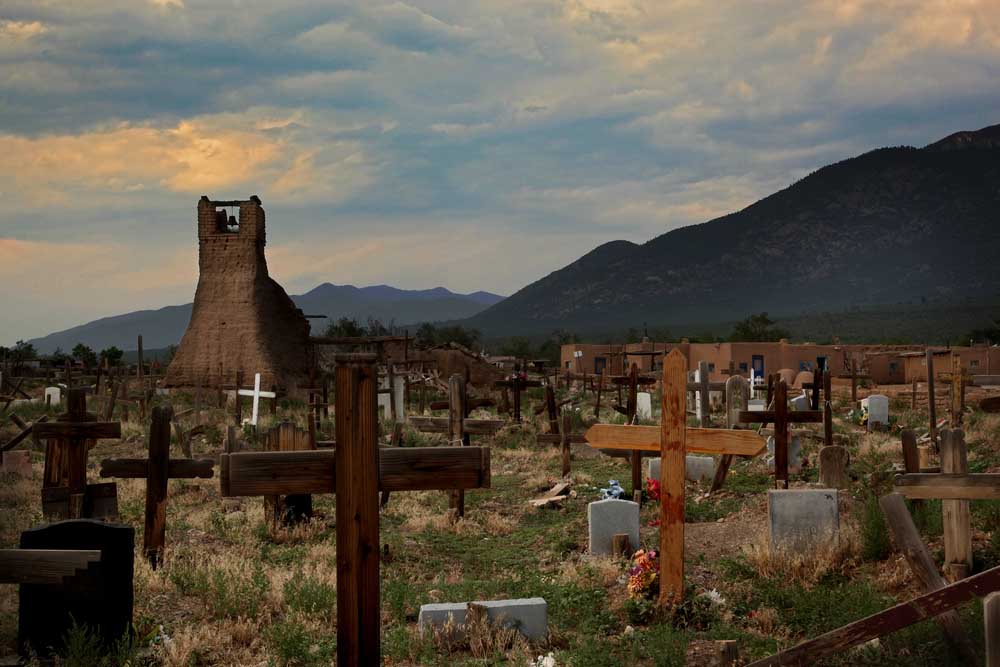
point(242, 320)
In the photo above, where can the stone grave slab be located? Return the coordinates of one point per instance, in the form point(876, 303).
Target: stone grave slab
point(528, 615)
point(101, 597)
point(800, 403)
point(17, 462)
point(696, 468)
point(802, 518)
point(607, 518)
point(644, 405)
point(878, 410)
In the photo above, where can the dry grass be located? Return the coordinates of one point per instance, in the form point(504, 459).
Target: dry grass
point(808, 567)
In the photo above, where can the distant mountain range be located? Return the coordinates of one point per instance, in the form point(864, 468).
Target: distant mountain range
point(893, 226)
point(164, 327)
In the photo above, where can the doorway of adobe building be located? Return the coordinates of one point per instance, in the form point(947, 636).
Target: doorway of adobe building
point(757, 363)
point(600, 363)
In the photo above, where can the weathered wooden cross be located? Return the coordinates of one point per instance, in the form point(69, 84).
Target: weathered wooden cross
point(781, 418)
point(516, 384)
point(356, 470)
point(703, 389)
point(673, 439)
point(564, 438)
point(157, 470)
point(854, 376)
point(458, 426)
point(65, 491)
point(955, 487)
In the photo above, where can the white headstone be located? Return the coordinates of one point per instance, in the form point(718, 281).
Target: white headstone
point(878, 409)
point(384, 405)
point(607, 518)
point(698, 408)
point(802, 519)
point(696, 468)
point(644, 405)
point(53, 394)
point(794, 454)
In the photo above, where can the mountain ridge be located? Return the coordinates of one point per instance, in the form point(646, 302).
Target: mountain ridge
point(165, 326)
point(890, 225)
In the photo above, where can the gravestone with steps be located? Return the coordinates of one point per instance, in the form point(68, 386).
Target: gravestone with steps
point(100, 597)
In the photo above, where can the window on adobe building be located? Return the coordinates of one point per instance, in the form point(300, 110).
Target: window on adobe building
point(973, 363)
point(600, 363)
point(744, 367)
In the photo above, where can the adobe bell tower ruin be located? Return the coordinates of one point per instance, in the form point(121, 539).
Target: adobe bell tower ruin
point(242, 320)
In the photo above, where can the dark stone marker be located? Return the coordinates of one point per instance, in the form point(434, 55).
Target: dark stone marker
point(100, 597)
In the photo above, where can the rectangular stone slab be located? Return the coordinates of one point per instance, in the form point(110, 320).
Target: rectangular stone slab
point(607, 518)
point(802, 519)
point(528, 615)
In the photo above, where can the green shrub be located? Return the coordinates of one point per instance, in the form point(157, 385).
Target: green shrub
point(875, 544)
point(234, 596)
point(310, 596)
point(293, 646)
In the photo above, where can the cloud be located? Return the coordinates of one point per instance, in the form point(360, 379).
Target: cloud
point(422, 142)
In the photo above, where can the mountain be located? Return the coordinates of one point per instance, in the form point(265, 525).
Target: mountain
point(166, 326)
point(895, 225)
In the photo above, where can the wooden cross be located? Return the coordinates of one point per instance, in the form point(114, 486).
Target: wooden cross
point(854, 375)
point(673, 439)
point(517, 384)
point(702, 389)
point(257, 394)
point(781, 418)
point(564, 438)
point(959, 379)
point(26, 430)
point(157, 470)
point(69, 438)
point(955, 487)
point(356, 471)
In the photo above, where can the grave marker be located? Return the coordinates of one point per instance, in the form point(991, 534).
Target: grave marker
point(356, 470)
point(607, 518)
point(257, 394)
point(100, 596)
point(157, 470)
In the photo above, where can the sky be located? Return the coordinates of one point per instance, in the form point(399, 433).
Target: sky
point(474, 144)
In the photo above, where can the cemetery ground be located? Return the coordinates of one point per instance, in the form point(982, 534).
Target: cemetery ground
point(233, 590)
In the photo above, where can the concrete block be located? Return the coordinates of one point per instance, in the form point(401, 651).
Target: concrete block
point(53, 394)
point(607, 518)
point(644, 405)
point(802, 518)
point(528, 615)
point(17, 462)
point(696, 468)
point(878, 409)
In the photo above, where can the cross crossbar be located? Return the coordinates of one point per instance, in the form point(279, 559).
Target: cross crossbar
point(701, 440)
point(77, 430)
point(176, 468)
point(313, 471)
point(975, 486)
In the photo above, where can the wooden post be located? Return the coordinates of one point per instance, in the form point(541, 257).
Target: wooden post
point(600, 387)
point(780, 434)
point(564, 442)
point(239, 401)
point(957, 403)
point(957, 521)
point(516, 390)
point(908, 542)
point(911, 456)
point(833, 467)
point(913, 404)
point(390, 377)
point(140, 375)
point(326, 397)
point(705, 395)
point(991, 621)
point(673, 429)
point(456, 431)
point(155, 533)
point(931, 404)
point(357, 484)
point(550, 407)
point(827, 409)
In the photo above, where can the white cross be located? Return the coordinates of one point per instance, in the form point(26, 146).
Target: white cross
point(257, 395)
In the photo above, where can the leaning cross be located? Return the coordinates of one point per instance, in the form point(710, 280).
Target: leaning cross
point(257, 395)
point(157, 470)
point(356, 471)
point(68, 441)
point(673, 439)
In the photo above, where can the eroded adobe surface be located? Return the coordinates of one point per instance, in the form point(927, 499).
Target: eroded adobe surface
point(242, 319)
